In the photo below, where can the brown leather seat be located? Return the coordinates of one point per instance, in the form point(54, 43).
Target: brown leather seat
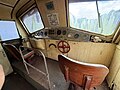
point(24, 54)
point(82, 74)
point(27, 52)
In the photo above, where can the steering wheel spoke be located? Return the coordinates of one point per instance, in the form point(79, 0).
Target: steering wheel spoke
point(63, 46)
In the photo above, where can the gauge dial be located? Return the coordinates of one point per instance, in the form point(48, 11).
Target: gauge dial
point(58, 32)
point(76, 36)
point(64, 32)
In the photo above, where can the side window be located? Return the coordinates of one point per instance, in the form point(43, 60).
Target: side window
point(8, 30)
point(32, 20)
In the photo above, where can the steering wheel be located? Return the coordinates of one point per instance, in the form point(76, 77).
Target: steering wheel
point(63, 46)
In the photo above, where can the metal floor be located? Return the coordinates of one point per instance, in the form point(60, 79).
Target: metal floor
point(56, 77)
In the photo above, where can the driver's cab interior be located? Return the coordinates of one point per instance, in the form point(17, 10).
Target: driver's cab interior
point(59, 44)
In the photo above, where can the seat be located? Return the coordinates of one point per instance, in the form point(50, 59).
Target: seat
point(27, 53)
point(82, 74)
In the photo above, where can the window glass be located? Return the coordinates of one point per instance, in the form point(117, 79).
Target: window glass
point(86, 16)
point(83, 15)
point(32, 20)
point(110, 15)
point(8, 30)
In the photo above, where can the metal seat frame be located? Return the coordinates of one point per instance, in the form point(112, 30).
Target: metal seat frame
point(26, 64)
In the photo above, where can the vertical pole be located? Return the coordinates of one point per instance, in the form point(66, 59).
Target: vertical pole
point(46, 68)
point(24, 61)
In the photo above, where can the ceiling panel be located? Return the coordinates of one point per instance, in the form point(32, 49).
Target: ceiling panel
point(5, 12)
point(6, 7)
point(21, 6)
point(9, 2)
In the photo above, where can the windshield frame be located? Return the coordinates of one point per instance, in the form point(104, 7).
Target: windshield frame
point(24, 13)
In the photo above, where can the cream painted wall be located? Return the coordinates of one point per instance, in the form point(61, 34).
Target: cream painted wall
point(24, 35)
point(39, 44)
point(117, 81)
point(114, 74)
point(59, 8)
point(115, 64)
point(90, 52)
point(5, 62)
point(52, 52)
point(21, 29)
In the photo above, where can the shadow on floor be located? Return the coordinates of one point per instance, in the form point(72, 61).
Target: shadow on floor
point(15, 82)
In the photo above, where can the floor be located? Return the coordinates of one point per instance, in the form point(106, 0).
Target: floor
point(15, 82)
point(56, 77)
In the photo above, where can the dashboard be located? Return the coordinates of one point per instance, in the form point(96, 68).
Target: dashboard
point(62, 33)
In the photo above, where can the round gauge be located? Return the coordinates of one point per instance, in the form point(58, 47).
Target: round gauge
point(76, 36)
point(64, 32)
point(41, 33)
point(58, 32)
point(38, 33)
point(45, 33)
point(84, 36)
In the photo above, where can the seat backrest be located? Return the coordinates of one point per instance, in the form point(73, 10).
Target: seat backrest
point(13, 51)
point(76, 71)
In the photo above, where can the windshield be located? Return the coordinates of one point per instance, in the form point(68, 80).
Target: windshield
point(100, 17)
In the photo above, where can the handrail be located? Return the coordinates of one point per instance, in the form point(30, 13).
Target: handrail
point(46, 67)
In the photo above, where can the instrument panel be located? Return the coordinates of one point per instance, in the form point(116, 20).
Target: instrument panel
point(62, 34)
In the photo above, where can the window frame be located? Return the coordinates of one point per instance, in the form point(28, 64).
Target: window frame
point(16, 30)
point(108, 37)
point(28, 10)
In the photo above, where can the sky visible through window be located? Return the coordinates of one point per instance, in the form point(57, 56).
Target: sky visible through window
point(84, 15)
point(83, 10)
point(8, 30)
point(33, 21)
